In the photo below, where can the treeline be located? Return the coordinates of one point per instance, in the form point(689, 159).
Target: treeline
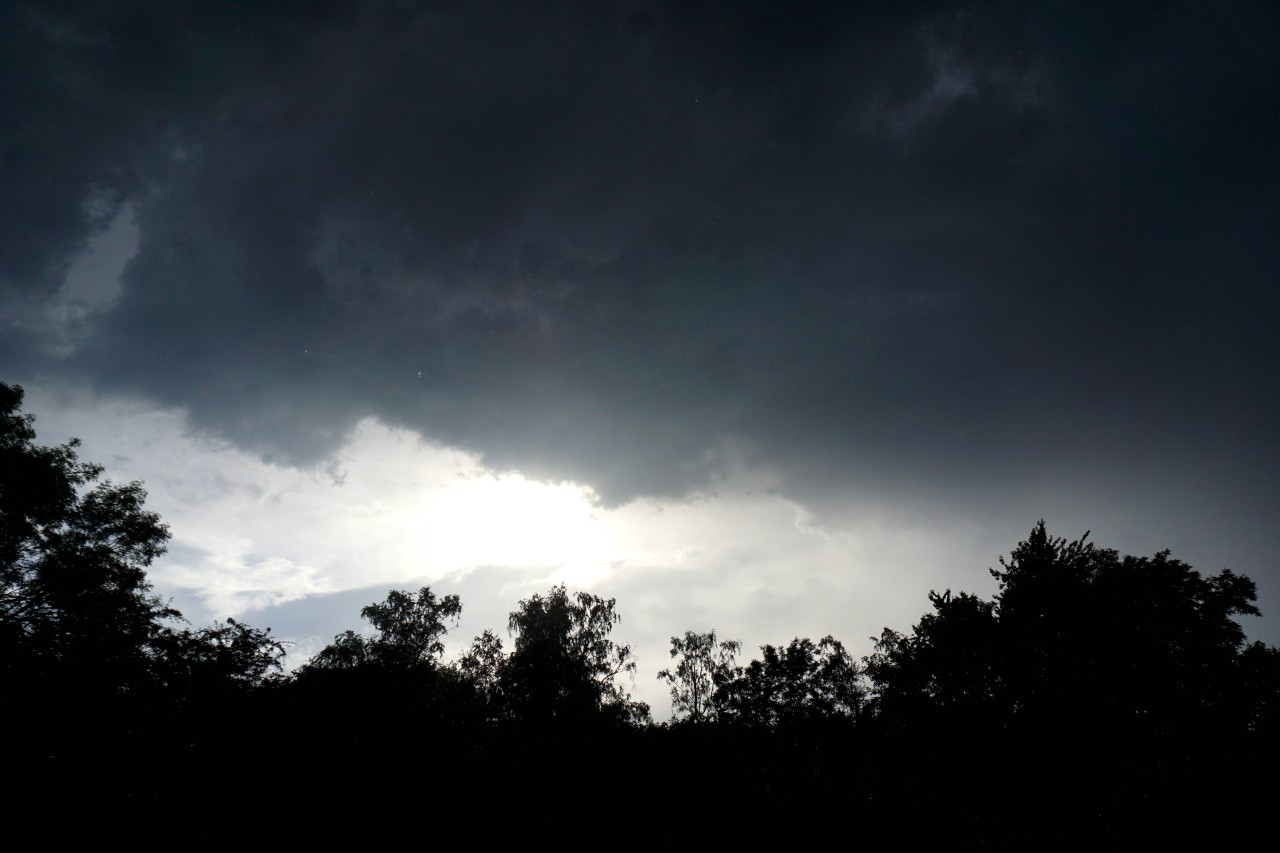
point(1093, 694)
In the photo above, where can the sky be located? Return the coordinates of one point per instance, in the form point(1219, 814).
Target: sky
point(762, 318)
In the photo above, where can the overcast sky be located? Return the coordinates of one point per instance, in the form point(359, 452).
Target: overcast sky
point(759, 317)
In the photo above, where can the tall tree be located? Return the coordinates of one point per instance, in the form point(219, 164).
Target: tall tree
point(76, 609)
point(393, 678)
point(1139, 641)
point(703, 665)
point(94, 664)
point(949, 664)
point(481, 667)
point(1079, 638)
point(410, 630)
point(564, 666)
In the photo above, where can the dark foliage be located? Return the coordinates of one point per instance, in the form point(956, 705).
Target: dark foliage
point(410, 629)
point(1081, 640)
point(564, 667)
point(1100, 695)
point(78, 620)
point(703, 666)
point(947, 667)
point(102, 682)
point(364, 686)
point(799, 683)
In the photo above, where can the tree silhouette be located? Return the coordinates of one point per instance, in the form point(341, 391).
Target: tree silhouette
point(230, 657)
point(359, 687)
point(1081, 639)
point(481, 667)
point(948, 665)
point(801, 682)
point(77, 614)
point(410, 627)
point(703, 665)
point(1143, 642)
point(99, 677)
point(1101, 695)
point(564, 666)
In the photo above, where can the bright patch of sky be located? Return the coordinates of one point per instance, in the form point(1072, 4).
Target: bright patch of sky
point(392, 511)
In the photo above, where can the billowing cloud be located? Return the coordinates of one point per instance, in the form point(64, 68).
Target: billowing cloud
point(965, 253)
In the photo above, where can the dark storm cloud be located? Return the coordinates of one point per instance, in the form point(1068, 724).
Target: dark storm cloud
point(621, 244)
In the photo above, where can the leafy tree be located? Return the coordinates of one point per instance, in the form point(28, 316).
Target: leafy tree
point(1107, 693)
point(231, 657)
point(703, 666)
point(1079, 638)
point(410, 627)
point(348, 650)
point(1140, 641)
point(948, 664)
point(392, 679)
point(802, 682)
point(94, 664)
point(76, 608)
point(481, 666)
point(564, 666)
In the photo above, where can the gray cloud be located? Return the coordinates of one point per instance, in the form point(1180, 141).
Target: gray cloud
point(927, 249)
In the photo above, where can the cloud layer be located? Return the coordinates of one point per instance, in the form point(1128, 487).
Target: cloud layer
point(948, 249)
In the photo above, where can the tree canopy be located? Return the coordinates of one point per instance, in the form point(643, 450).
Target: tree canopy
point(410, 630)
point(801, 682)
point(564, 666)
point(703, 665)
point(91, 656)
point(1077, 634)
point(76, 608)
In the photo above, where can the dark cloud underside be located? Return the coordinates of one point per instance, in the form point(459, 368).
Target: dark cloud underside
point(621, 244)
